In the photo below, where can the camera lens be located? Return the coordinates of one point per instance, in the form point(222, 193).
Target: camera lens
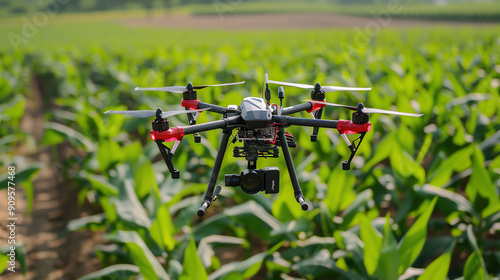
point(232, 180)
point(251, 182)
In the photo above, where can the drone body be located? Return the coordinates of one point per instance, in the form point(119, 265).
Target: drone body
point(260, 128)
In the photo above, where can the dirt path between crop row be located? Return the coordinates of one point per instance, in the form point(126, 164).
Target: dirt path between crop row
point(54, 204)
point(285, 21)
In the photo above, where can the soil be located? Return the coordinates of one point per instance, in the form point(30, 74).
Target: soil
point(54, 205)
point(283, 21)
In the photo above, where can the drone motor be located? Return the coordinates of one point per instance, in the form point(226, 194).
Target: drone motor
point(358, 116)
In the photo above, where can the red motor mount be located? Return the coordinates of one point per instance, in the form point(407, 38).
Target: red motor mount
point(192, 104)
point(170, 135)
point(316, 106)
point(348, 127)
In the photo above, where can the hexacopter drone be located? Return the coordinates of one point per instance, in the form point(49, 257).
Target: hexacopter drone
point(260, 127)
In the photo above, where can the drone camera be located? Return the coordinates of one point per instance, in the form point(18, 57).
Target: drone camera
point(253, 181)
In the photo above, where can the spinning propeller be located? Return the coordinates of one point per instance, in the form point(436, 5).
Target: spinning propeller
point(362, 109)
point(158, 113)
point(188, 88)
point(317, 87)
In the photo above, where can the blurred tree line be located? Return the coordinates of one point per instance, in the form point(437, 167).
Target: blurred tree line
point(25, 6)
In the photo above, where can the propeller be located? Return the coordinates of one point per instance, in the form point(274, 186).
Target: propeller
point(150, 113)
point(318, 87)
point(362, 109)
point(189, 87)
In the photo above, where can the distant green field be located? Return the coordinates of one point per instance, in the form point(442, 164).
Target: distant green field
point(482, 11)
point(397, 9)
point(459, 11)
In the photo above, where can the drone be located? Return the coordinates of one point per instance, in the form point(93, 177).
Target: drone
point(261, 128)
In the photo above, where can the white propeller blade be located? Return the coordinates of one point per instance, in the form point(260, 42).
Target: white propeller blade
point(176, 89)
point(179, 112)
point(136, 113)
point(150, 113)
point(373, 110)
point(324, 88)
point(335, 88)
point(181, 89)
point(368, 110)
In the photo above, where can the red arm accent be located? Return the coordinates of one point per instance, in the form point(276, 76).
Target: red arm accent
point(193, 104)
point(316, 106)
point(173, 134)
point(349, 127)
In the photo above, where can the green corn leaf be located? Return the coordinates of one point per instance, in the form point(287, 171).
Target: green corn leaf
point(480, 188)
point(192, 266)
point(358, 205)
point(162, 230)
point(109, 152)
point(405, 166)
point(389, 259)
point(100, 183)
point(117, 271)
point(283, 207)
point(475, 268)
point(140, 254)
point(413, 241)
point(382, 151)
point(93, 222)
point(460, 203)
point(70, 134)
point(322, 266)
point(254, 217)
point(438, 269)
point(144, 179)
point(133, 151)
point(339, 193)
point(4, 259)
point(309, 247)
point(372, 241)
point(128, 206)
point(458, 161)
point(239, 270)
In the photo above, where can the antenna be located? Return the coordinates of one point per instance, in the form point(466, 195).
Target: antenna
point(281, 95)
point(268, 91)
